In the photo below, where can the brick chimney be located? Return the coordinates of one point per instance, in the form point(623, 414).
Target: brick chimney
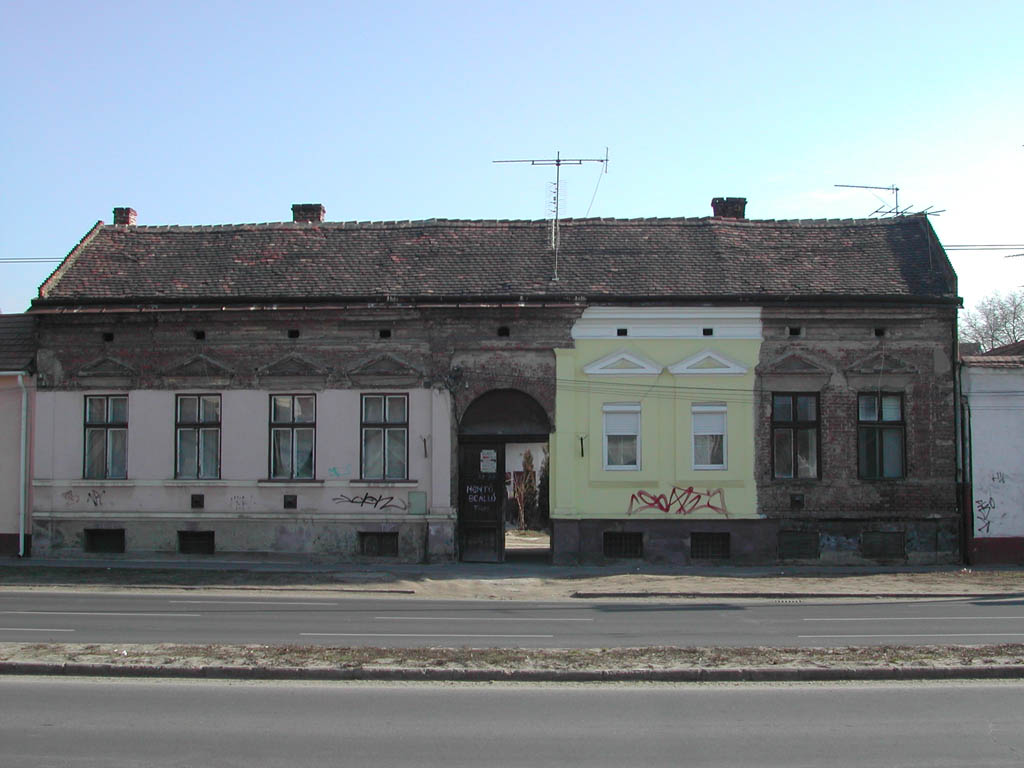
point(308, 212)
point(729, 207)
point(125, 217)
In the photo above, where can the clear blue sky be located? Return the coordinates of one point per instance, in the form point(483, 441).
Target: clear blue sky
point(214, 112)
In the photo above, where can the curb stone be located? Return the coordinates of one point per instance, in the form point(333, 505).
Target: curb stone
point(799, 595)
point(439, 674)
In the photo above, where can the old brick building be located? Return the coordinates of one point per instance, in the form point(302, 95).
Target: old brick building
point(351, 389)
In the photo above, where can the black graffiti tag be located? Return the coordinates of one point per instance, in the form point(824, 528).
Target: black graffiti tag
point(369, 500)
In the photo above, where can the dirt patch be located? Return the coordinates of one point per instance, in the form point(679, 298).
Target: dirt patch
point(611, 659)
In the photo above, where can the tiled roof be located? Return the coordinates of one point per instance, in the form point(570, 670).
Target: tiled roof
point(704, 258)
point(995, 361)
point(17, 342)
point(1007, 350)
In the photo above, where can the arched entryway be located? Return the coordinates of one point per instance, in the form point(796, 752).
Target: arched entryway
point(493, 428)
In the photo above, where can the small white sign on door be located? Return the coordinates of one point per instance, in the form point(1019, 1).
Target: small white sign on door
point(489, 460)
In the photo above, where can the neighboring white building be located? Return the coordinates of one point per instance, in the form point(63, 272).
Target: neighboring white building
point(993, 390)
point(17, 390)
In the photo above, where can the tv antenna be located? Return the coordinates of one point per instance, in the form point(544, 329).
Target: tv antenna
point(558, 162)
point(894, 210)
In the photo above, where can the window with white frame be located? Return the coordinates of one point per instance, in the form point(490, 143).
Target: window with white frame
point(385, 437)
point(292, 436)
point(622, 436)
point(710, 450)
point(106, 437)
point(197, 443)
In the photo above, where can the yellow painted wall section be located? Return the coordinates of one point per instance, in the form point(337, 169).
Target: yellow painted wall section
point(666, 484)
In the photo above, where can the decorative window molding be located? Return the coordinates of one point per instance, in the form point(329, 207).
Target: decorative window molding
point(707, 362)
point(199, 368)
point(623, 363)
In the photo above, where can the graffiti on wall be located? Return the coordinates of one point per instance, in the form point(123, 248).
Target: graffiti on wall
point(95, 497)
point(679, 501)
point(481, 494)
point(380, 503)
point(986, 514)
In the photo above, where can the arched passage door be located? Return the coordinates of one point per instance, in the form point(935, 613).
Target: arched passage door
point(493, 420)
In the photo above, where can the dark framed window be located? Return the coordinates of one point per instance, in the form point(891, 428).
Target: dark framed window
point(880, 436)
point(197, 437)
point(292, 437)
point(795, 435)
point(106, 437)
point(384, 425)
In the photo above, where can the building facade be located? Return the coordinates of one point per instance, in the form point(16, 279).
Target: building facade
point(706, 389)
point(993, 400)
point(17, 408)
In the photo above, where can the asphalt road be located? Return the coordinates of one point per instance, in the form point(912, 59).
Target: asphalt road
point(89, 617)
point(114, 724)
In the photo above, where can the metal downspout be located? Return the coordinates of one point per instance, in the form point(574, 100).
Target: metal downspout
point(22, 480)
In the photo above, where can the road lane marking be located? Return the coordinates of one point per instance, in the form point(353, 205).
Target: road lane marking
point(412, 634)
point(100, 613)
point(465, 618)
point(280, 603)
point(926, 618)
point(962, 634)
point(32, 629)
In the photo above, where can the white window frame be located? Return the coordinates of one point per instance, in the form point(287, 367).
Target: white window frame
point(106, 426)
point(608, 408)
point(710, 408)
point(291, 426)
point(202, 425)
point(387, 426)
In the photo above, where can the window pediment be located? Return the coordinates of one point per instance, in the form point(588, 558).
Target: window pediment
point(707, 362)
point(623, 363)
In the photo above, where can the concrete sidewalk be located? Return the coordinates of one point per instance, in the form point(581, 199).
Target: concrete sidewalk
point(527, 580)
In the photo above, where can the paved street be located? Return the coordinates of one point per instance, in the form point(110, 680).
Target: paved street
point(91, 617)
point(74, 722)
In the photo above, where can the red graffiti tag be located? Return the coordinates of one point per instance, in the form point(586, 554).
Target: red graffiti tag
point(681, 501)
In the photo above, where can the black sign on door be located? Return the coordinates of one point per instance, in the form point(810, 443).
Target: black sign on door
point(482, 502)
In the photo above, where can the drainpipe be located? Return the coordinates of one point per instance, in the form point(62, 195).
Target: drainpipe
point(22, 481)
point(23, 466)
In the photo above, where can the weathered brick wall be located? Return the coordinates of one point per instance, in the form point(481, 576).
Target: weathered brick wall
point(458, 348)
point(838, 341)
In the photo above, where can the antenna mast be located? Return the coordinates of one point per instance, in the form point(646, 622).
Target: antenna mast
point(884, 209)
point(558, 162)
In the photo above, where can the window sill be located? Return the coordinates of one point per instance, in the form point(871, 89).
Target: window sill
point(385, 483)
point(274, 482)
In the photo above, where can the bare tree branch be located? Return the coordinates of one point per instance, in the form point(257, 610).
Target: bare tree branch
point(995, 321)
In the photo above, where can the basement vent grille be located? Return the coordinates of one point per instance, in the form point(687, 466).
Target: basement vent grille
point(623, 544)
point(378, 543)
point(798, 545)
point(883, 545)
point(104, 540)
point(196, 542)
point(709, 546)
